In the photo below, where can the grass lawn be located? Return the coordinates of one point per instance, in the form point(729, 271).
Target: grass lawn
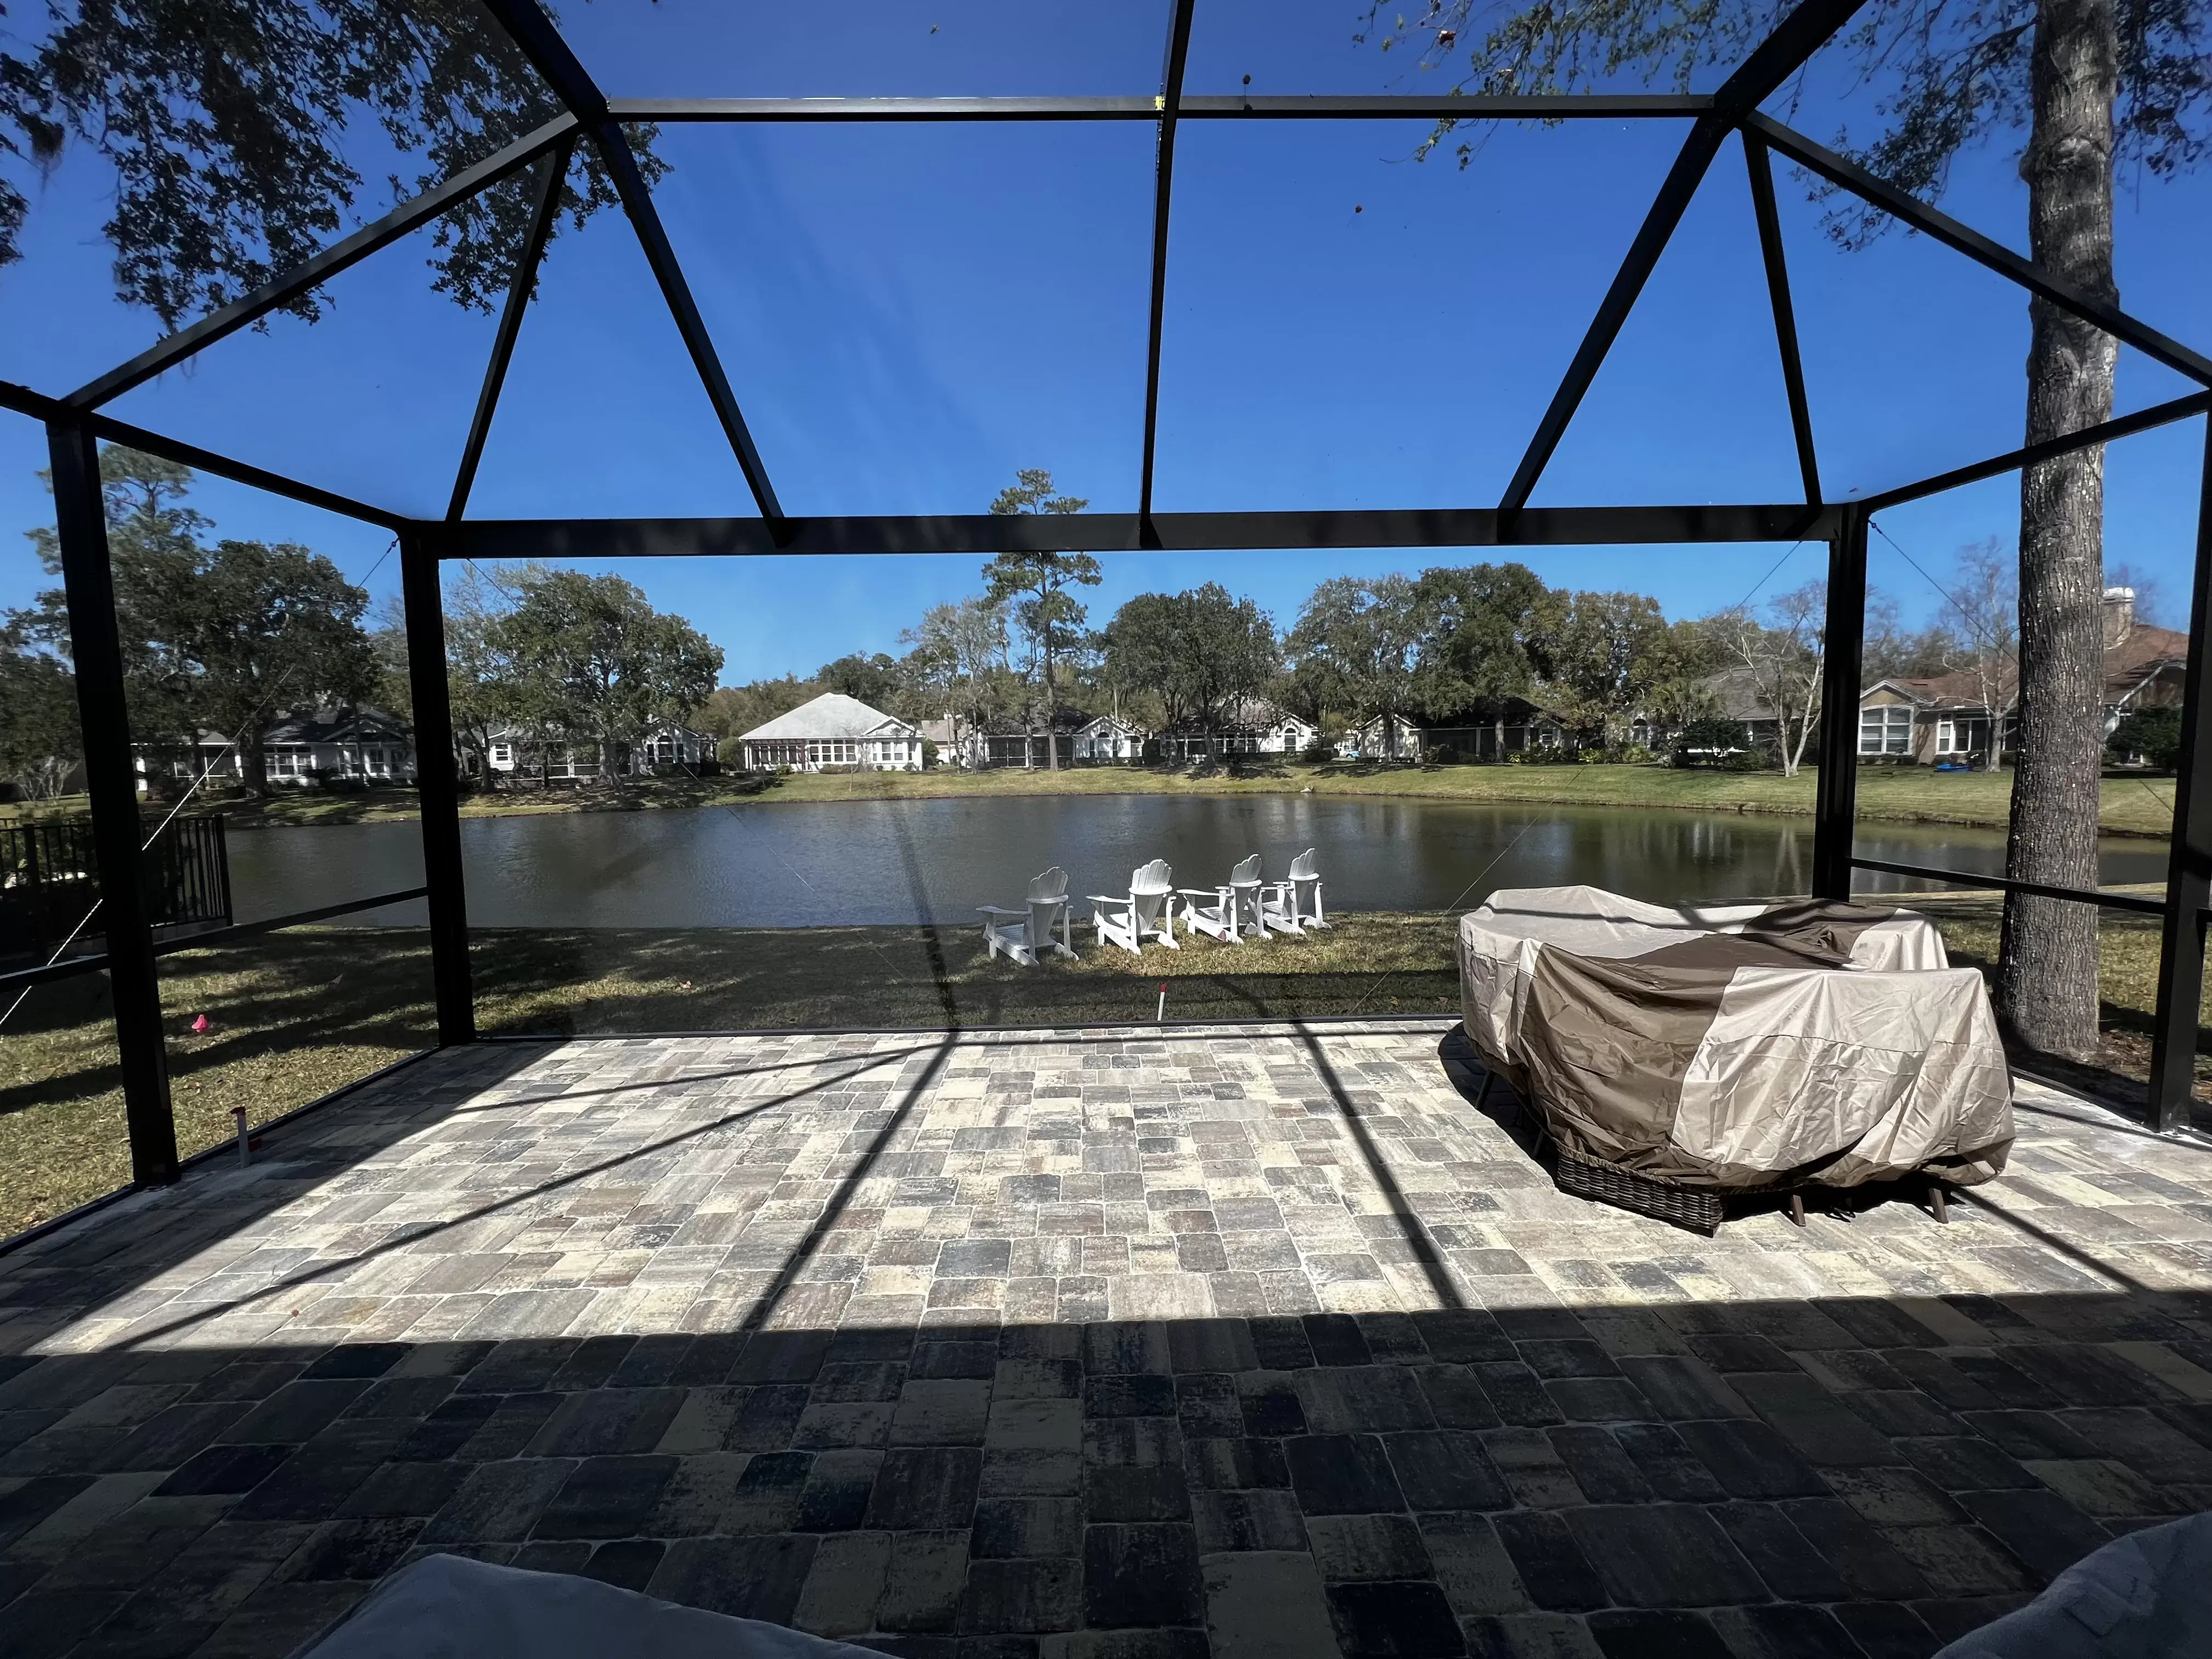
point(295, 1014)
point(2132, 805)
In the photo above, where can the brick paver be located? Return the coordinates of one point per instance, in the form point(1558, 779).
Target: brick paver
point(1249, 1341)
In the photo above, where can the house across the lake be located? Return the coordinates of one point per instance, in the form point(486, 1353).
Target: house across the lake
point(1110, 740)
point(1948, 718)
point(340, 745)
point(1027, 744)
point(833, 733)
point(530, 756)
point(1384, 737)
point(1252, 728)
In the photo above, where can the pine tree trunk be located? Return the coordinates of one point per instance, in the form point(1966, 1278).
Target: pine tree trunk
point(1051, 711)
point(2047, 972)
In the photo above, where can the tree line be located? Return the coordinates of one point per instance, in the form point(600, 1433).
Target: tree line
point(225, 636)
point(1455, 646)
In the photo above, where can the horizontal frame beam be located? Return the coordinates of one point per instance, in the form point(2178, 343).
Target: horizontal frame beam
point(1123, 532)
point(1608, 106)
point(69, 967)
point(2143, 420)
point(1940, 227)
point(2003, 885)
point(403, 220)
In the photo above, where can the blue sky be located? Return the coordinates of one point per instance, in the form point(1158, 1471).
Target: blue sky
point(910, 314)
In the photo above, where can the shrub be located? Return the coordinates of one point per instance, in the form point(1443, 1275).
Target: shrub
point(1712, 741)
point(2153, 733)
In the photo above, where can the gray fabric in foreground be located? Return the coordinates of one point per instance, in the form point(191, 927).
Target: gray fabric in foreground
point(448, 1606)
point(2148, 1595)
point(1742, 1045)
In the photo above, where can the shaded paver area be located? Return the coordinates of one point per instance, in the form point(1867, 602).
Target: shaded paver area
point(1247, 1340)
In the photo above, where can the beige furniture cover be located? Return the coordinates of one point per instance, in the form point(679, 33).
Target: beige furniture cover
point(1739, 1045)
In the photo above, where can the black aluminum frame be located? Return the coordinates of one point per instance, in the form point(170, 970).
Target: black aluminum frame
point(75, 426)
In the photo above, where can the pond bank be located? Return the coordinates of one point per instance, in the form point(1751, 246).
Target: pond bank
point(2133, 807)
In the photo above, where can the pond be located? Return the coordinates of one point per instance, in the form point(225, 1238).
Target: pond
point(814, 864)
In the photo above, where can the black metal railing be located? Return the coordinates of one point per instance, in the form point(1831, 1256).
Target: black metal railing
point(50, 889)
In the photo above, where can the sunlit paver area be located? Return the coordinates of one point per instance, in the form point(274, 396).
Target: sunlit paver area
point(1254, 1341)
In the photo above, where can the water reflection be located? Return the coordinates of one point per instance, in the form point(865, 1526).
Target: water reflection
point(828, 863)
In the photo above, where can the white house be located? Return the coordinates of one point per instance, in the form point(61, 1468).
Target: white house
point(322, 747)
point(354, 745)
point(1385, 737)
point(1253, 728)
point(832, 732)
point(1109, 737)
point(666, 745)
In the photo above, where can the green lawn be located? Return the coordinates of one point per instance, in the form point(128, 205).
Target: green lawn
point(295, 1014)
point(2132, 805)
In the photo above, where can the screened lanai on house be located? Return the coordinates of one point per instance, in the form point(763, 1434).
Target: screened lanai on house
point(678, 1234)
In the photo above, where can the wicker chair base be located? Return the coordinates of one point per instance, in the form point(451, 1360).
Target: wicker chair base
point(1586, 1177)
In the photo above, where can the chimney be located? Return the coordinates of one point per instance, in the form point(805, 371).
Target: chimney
point(2120, 616)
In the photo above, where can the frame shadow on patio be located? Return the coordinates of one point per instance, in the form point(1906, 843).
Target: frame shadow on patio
point(1259, 1339)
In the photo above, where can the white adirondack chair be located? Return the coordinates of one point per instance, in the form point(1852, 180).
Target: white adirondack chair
point(1293, 906)
point(1229, 912)
point(1026, 934)
point(1147, 912)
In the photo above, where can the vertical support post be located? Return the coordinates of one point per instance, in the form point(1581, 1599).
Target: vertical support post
point(437, 784)
point(112, 784)
point(1835, 806)
point(2188, 860)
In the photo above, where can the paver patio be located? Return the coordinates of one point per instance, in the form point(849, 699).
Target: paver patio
point(1254, 1341)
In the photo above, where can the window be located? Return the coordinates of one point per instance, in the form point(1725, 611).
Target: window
point(1885, 731)
point(500, 754)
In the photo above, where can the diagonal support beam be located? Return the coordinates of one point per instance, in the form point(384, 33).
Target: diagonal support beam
point(2086, 437)
point(1170, 109)
point(407, 218)
point(545, 207)
point(54, 411)
point(1651, 238)
point(1901, 204)
point(1778, 56)
point(1786, 313)
point(532, 30)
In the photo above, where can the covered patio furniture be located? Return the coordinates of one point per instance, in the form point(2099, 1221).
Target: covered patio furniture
point(1229, 912)
point(1146, 912)
point(1675, 1054)
point(1027, 934)
point(1293, 906)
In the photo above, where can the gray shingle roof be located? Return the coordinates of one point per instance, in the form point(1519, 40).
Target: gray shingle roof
point(832, 715)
